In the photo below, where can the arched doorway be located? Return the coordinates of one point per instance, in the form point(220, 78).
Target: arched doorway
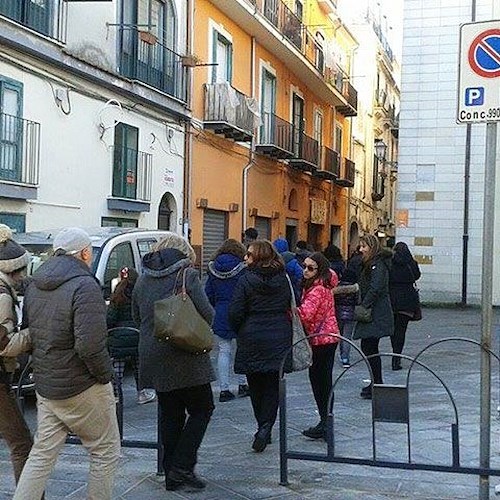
point(167, 213)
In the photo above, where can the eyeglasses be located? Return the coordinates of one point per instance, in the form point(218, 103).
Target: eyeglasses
point(311, 268)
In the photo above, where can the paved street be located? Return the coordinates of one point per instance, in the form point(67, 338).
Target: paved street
point(235, 472)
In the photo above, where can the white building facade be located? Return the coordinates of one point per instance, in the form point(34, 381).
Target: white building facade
point(431, 214)
point(92, 113)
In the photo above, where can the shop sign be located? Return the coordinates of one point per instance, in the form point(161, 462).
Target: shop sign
point(318, 211)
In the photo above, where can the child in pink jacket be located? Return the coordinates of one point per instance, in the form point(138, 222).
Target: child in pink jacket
point(317, 312)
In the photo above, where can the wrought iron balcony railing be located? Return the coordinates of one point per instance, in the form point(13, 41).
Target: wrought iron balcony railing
point(305, 151)
point(331, 161)
point(143, 57)
point(227, 112)
point(132, 174)
point(19, 150)
point(47, 17)
point(275, 137)
point(347, 174)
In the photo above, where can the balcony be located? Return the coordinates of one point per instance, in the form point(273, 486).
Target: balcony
point(19, 157)
point(47, 17)
point(227, 112)
point(305, 151)
point(275, 138)
point(144, 58)
point(348, 173)
point(350, 94)
point(331, 165)
point(280, 31)
point(132, 180)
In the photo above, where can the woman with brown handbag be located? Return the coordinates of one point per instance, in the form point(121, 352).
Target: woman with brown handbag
point(181, 379)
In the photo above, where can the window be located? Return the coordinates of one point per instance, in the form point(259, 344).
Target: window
point(338, 139)
point(223, 57)
point(318, 133)
point(145, 246)
point(298, 123)
point(118, 222)
point(11, 129)
point(147, 40)
point(268, 107)
point(125, 158)
point(120, 256)
point(35, 14)
point(319, 56)
point(17, 222)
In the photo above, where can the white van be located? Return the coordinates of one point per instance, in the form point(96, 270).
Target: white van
point(113, 248)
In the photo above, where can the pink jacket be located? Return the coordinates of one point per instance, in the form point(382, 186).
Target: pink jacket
point(317, 311)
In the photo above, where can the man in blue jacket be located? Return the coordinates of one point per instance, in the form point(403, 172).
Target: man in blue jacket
point(66, 316)
point(292, 266)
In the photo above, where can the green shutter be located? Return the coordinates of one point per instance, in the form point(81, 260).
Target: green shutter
point(125, 158)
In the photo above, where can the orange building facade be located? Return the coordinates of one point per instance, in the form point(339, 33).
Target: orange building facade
point(271, 135)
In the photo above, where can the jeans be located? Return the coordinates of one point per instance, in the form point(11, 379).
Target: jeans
point(320, 376)
point(398, 339)
point(13, 429)
point(224, 364)
point(369, 346)
point(91, 415)
point(346, 329)
point(264, 394)
point(184, 417)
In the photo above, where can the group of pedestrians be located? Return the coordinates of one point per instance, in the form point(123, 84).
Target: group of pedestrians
point(247, 298)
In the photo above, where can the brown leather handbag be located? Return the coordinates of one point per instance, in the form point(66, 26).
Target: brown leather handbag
point(177, 321)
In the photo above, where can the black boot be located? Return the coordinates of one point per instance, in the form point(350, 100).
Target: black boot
point(316, 432)
point(396, 364)
point(177, 478)
point(262, 438)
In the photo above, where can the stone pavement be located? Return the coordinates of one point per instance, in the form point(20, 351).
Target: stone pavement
point(235, 472)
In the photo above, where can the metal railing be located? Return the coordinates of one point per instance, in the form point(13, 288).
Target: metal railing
point(276, 132)
point(349, 170)
point(305, 147)
point(219, 106)
point(350, 94)
point(331, 161)
point(132, 171)
point(48, 17)
point(19, 150)
point(143, 57)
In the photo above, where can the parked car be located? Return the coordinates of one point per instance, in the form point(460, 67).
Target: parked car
point(113, 248)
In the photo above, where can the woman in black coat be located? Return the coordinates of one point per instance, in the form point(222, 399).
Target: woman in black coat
point(181, 379)
point(374, 292)
point(260, 315)
point(404, 296)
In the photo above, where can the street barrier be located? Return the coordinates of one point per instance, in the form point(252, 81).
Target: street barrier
point(390, 403)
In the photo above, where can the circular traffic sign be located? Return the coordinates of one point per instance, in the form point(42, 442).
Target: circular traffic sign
point(484, 54)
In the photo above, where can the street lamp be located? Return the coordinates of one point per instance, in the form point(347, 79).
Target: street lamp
point(380, 149)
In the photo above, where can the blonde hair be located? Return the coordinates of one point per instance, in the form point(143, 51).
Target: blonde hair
point(173, 240)
point(372, 243)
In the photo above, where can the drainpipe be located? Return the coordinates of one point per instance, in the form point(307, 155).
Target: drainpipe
point(251, 153)
point(188, 140)
point(465, 235)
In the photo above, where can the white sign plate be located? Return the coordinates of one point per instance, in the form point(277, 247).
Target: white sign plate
point(479, 73)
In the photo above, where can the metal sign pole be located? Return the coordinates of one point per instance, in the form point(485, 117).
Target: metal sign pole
point(486, 305)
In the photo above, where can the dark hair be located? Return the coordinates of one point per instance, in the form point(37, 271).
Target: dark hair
point(232, 247)
point(323, 274)
point(373, 244)
point(251, 233)
point(265, 255)
point(332, 253)
point(402, 249)
point(302, 244)
point(123, 291)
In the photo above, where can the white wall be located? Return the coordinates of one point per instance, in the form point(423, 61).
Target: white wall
point(432, 150)
point(76, 165)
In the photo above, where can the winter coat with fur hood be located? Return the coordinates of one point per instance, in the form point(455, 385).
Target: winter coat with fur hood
point(317, 311)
